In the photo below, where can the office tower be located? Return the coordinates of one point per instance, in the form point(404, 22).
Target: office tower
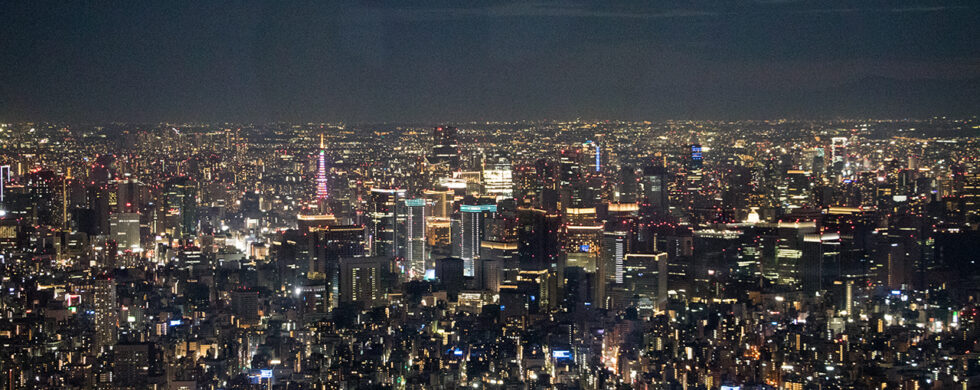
point(799, 189)
point(820, 261)
point(130, 366)
point(441, 202)
point(489, 271)
point(578, 185)
point(445, 147)
point(498, 178)
point(416, 253)
point(245, 306)
point(4, 178)
point(544, 184)
point(789, 252)
point(327, 245)
point(472, 217)
point(98, 205)
point(647, 275)
point(537, 239)
point(128, 198)
point(579, 289)
point(125, 230)
point(838, 156)
point(655, 200)
point(697, 159)
point(313, 222)
point(695, 169)
point(361, 280)
point(384, 221)
point(969, 195)
point(450, 273)
point(628, 186)
point(615, 246)
point(42, 205)
point(180, 201)
point(499, 246)
point(106, 313)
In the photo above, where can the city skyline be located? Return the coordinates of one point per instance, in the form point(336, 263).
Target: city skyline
point(755, 255)
point(490, 194)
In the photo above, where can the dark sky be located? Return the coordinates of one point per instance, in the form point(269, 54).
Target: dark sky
point(411, 60)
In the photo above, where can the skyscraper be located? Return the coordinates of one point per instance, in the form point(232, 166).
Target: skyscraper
point(181, 205)
point(415, 253)
point(445, 147)
point(498, 178)
point(106, 315)
point(125, 229)
point(655, 191)
point(360, 280)
point(472, 217)
point(384, 218)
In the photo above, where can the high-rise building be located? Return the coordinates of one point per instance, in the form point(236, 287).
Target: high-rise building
point(615, 246)
point(327, 246)
point(647, 275)
point(415, 248)
point(450, 273)
point(789, 252)
point(445, 147)
point(181, 206)
point(245, 306)
point(538, 245)
point(472, 217)
point(106, 313)
point(498, 178)
point(820, 261)
point(655, 190)
point(125, 230)
point(130, 366)
point(361, 280)
point(384, 221)
point(128, 198)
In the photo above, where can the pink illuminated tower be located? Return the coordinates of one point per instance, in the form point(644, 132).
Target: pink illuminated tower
point(321, 177)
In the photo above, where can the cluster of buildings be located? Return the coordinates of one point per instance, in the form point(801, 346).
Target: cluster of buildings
point(569, 255)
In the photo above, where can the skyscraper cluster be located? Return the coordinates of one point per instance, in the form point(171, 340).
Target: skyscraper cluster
point(596, 255)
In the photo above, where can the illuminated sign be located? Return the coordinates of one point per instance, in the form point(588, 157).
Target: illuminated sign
point(561, 354)
point(467, 208)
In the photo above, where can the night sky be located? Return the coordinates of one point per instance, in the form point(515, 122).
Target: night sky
point(373, 61)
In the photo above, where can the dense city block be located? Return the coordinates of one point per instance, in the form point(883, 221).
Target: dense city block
point(838, 254)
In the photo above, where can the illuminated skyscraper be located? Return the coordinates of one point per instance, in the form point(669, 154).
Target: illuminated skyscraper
point(415, 252)
point(383, 225)
point(498, 178)
point(472, 217)
point(655, 190)
point(181, 205)
point(106, 316)
point(321, 175)
point(125, 229)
